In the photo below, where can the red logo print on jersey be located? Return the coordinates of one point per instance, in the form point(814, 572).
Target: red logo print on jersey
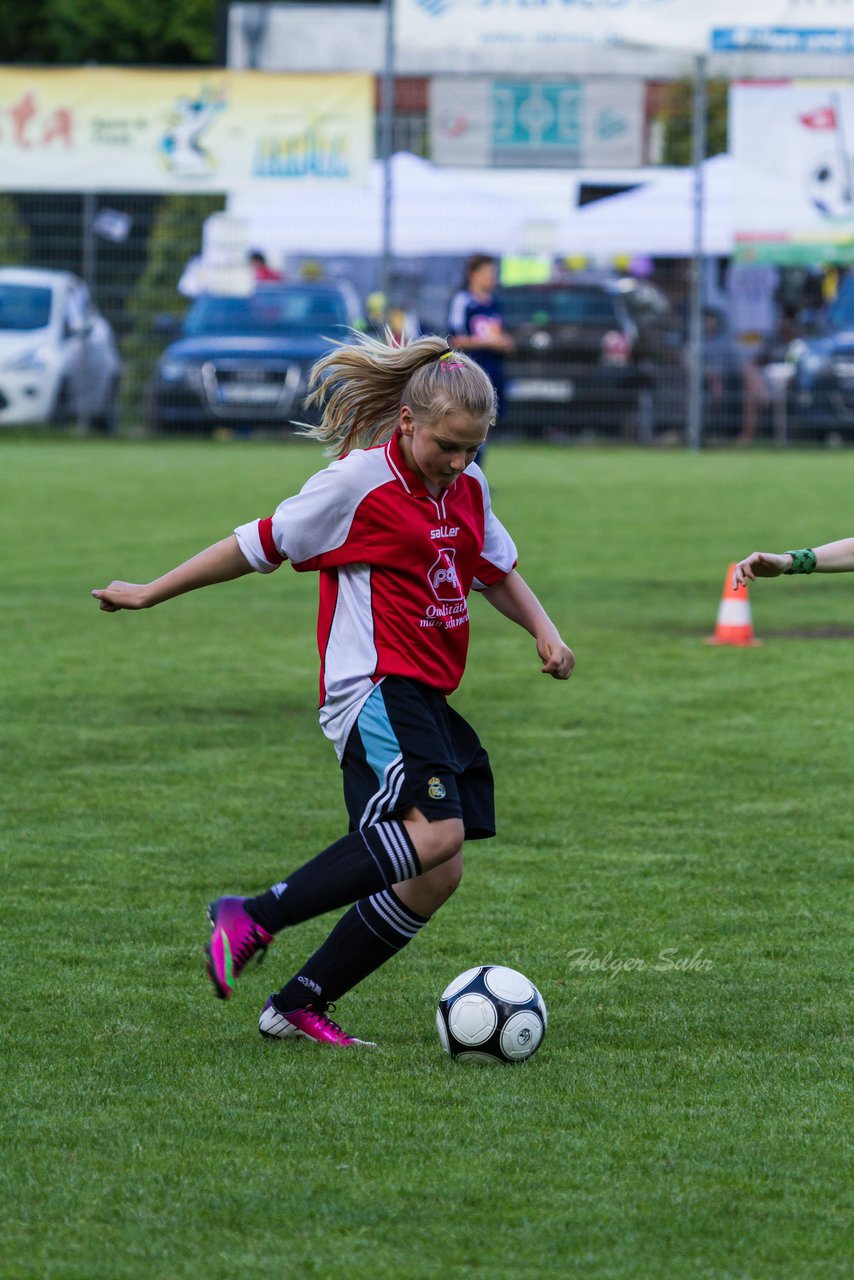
point(443, 576)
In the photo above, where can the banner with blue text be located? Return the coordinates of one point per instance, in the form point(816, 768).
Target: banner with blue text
point(481, 26)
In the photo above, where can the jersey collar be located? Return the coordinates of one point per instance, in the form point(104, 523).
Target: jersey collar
point(411, 480)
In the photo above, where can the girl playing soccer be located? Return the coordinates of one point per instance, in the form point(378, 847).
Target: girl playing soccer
point(400, 528)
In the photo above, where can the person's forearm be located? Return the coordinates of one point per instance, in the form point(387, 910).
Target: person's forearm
point(513, 598)
point(218, 563)
point(830, 557)
point(835, 557)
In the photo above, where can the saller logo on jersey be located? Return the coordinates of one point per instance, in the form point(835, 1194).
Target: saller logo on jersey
point(435, 790)
point(443, 576)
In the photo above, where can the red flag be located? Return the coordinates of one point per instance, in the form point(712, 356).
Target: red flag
point(821, 118)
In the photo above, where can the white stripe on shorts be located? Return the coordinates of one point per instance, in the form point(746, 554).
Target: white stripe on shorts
point(385, 800)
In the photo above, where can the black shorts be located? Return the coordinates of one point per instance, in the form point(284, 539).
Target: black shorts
point(409, 748)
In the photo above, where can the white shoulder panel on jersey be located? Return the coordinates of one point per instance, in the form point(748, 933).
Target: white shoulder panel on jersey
point(320, 516)
point(498, 547)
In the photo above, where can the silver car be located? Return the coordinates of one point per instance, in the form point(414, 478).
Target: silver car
point(58, 357)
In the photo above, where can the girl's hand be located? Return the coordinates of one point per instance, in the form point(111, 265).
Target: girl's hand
point(760, 564)
point(122, 595)
point(557, 658)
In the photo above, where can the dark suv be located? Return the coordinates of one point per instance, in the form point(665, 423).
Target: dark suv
point(821, 393)
point(245, 360)
point(583, 359)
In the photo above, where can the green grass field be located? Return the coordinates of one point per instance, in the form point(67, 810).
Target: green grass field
point(677, 1124)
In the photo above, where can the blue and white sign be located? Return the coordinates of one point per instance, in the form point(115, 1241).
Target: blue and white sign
point(783, 40)
point(536, 123)
point(484, 29)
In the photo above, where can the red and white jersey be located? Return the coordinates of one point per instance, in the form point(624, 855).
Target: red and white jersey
point(396, 566)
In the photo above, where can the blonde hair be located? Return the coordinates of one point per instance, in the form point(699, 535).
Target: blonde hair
point(361, 385)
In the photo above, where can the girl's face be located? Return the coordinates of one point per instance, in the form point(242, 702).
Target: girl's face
point(440, 452)
point(484, 279)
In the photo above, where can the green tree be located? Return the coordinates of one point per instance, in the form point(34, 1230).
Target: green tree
point(123, 32)
point(14, 235)
point(175, 238)
point(677, 116)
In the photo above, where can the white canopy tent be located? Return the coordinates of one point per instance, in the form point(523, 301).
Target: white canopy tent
point(433, 211)
point(503, 212)
point(657, 219)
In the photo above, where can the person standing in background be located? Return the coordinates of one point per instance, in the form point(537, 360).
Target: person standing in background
point(261, 269)
point(475, 324)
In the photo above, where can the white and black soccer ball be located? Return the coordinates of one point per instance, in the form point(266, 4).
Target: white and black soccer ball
point(829, 187)
point(491, 1014)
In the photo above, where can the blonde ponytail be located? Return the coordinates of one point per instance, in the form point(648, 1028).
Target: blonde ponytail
point(360, 386)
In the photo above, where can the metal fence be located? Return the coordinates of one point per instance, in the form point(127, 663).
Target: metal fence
point(643, 350)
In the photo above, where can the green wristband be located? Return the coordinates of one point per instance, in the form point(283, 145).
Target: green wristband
point(802, 561)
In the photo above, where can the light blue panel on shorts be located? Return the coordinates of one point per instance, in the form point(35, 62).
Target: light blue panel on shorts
point(378, 737)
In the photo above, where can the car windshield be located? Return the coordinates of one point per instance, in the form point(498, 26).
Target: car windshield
point(269, 311)
point(559, 306)
point(23, 307)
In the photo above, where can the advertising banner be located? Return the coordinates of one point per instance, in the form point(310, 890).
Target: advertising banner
point(500, 25)
point(102, 129)
point(476, 121)
point(306, 37)
point(793, 149)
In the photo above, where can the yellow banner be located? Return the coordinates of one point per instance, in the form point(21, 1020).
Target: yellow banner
point(103, 129)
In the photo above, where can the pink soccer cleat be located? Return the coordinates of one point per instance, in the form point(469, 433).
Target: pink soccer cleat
point(311, 1024)
point(234, 941)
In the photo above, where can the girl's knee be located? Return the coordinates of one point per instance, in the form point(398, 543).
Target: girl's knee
point(436, 842)
point(428, 892)
point(446, 878)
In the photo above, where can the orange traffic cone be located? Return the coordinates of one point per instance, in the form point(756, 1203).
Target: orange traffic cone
point(734, 624)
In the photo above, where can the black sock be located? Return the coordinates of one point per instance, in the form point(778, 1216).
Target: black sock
point(361, 863)
point(370, 933)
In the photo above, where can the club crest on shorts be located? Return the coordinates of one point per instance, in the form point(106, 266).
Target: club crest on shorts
point(435, 789)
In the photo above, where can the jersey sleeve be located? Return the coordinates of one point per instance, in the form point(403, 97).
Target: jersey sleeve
point(316, 523)
point(499, 556)
point(459, 315)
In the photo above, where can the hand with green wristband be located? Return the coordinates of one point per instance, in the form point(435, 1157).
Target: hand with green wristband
point(832, 557)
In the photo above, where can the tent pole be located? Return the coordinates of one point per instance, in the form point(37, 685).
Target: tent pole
point(387, 149)
point(694, 432)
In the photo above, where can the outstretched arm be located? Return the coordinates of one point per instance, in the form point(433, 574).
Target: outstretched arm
point(831, 557)
point(219, 563)
point(515, 599)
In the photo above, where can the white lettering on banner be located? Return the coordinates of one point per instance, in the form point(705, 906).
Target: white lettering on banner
point(433, 25)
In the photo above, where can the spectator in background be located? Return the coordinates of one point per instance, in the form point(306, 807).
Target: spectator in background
point(475, 324)
point(261, 269)
point(758, 392)
point(722, 361)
